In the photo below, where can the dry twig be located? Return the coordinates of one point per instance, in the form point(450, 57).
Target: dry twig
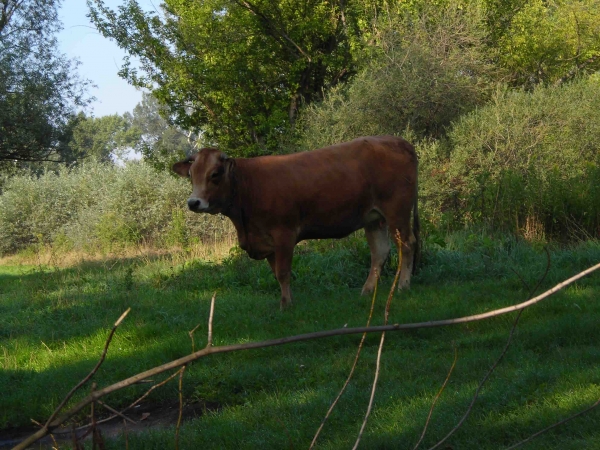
point(360, 346)
point(114, 411)
point(109, 418)
point(210, 320)
point(436, 399)
point(379, 351)
point(491, 370)
point(180, 407)
point(518, 444)
point(89, 375)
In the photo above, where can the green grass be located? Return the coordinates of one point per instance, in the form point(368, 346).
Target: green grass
point(54, 321)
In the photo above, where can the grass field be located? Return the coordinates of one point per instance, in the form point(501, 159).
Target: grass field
point(54, 320)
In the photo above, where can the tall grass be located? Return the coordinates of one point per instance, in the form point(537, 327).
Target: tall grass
point(98, 207)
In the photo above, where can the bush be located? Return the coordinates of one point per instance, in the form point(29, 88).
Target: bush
point(528, 162)
point(100, 206)
point(429, 70)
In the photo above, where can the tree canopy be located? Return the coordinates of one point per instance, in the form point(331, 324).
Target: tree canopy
point(159, 142)
point(238, 70)
point(39, 87)
point(102, 137)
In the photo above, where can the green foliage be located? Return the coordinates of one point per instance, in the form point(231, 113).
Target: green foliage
point(102, 137)
point(39, 87)
point(98, 206)
point(160, 143)
point(237, 71)
point(527, 160)
point(547, 42)
point(431, 70)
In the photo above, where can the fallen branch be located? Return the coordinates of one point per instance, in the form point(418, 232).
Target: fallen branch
point(109, 418)
point(518, 444)
point(281, 341)
point(436, 399)
point(380, 349)
point(89, 375)
point(360, 346)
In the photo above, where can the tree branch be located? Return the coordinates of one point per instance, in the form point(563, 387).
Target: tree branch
point(436, 399)
point(254, 10)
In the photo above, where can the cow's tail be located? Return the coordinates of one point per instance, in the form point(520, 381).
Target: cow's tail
point(416, 228)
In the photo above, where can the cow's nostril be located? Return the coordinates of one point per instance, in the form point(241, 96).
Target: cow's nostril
point(193, 204)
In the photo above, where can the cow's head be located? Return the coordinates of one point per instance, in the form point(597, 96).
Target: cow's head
point(211, 188)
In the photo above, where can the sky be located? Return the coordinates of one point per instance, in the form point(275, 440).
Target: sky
point(100, 58)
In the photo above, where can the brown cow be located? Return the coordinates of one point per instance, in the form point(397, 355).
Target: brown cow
point(277, 201)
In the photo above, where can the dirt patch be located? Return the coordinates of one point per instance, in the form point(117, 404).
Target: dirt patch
point(145, 416)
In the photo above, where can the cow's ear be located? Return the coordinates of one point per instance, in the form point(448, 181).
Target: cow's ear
point(182, 168)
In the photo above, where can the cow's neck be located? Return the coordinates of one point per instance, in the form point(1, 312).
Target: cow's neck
point(235, 210)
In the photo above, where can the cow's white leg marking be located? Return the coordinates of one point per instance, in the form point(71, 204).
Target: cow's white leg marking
point(408, 252)
point(379, 243)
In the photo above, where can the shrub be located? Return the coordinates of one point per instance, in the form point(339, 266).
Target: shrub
point(529, 161)
point(100, 206)
point(430, 69)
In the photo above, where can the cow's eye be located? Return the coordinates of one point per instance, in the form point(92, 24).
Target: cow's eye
point(217, 174)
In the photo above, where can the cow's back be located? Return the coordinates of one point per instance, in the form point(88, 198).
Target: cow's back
point(327, 192)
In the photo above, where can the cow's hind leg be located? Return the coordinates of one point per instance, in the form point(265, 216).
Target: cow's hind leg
point(281, 265)
point(400, 228)
point(379, 243)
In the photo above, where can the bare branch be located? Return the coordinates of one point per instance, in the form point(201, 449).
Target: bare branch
point(108, 419)
point(288, 340)
point(89, 375)
point(436, 399)
point(114, 411)
point(380, 350)
point(360, 346)
point(191, 335)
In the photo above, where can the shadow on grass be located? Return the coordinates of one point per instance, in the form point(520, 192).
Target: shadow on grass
point(53, 327)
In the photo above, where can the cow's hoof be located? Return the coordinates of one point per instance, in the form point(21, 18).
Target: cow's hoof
point(366, 290)
point(285, 304)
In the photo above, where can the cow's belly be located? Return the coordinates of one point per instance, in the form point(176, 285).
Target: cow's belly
point(327, 230)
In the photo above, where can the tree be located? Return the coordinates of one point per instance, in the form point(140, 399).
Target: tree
point(433, 67)
point(159, 142)
point(39, 87)
point(102, 137)
point(542, 42)
point(238, 70)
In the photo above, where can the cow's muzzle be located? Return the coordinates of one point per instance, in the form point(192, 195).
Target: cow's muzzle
point(197, 204)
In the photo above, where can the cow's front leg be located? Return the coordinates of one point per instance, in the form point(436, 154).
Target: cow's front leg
point(281, 264)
